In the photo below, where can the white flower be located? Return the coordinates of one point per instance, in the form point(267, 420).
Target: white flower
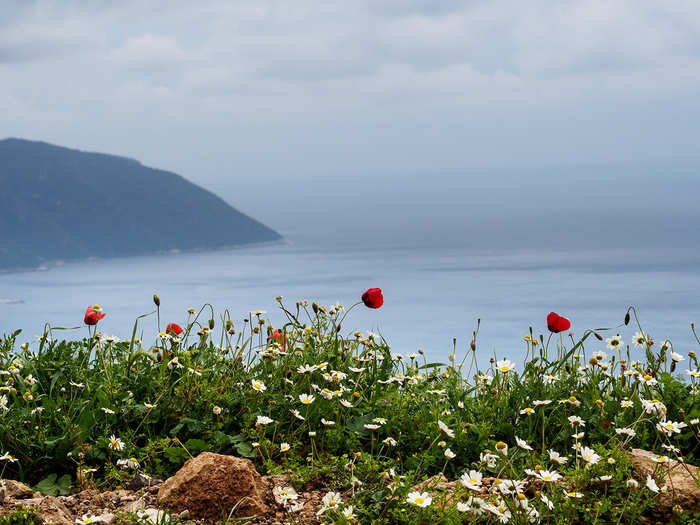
point(264, 420)
point(543, 402)
point(107, 410)
point(216, 409)
point(306, 369)
point(632, 484)
point(128, 463)
point(490, 460)
point(390, 441)
point(347, 512)
point(446, 429)
point(345, 403)
point(115, 443)
point(556, 458)
point(522, 443)
point(575, 420)
point(547, 501)
point(527, 411)
point(473, 504)
point(627, 431)
point(8, 457)
point(626, 403)
point(693, 373)
point(471, 480)
point(677, 357)
point(327, 422)
point(284, 447)
point(639, 340)
point(421, 499)
point(330, 501)
point(651, 484)
point(258, 386)
point(370, 426)
point(297, 415)
point(379, 420)
point(614, 342)
point(449, 454)
point(505, 365)
point(76, 385)
point(87, 520)
point(589, 455)
point(548, 475)
point(654, 407)
point(670, 427)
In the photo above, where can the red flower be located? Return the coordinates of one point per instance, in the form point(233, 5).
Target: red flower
point(278, 335)
point(373, 298)
point(557, 324)
point(93, 314)
point(606, 423)
point(173, 329)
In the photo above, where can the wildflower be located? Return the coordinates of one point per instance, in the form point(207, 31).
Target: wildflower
point(306, 369)
point(522, 443)
point(626, 403)
point(543, 402)
point(446, 429)
point(557, 458)
point(306, 399)
point(654, 407)
point(471, 480)
point(93, 314)
point(390, 441)
point(670, 427)
point(693, 373)
point(330, 501)
point(216, 409)
point(371, 426)
point(107, 410)
point(330, 423)
point(128, 463)
point(345, 403)
point(264, 420)
point(505, 365)
point(502, 448)
point(312, 433)
point(528, 411)
point(671, 448)
point(348, 513)
point(646, 379)
point(632, 484)
point(442, 444)
point(473, 504)
point(500, 511)
point(76, 385)
point(651, 484)
point(421, 499)
point(258, 386)
point(613, 343)
point(639, 340)
point(284, 447)
point(115, 443)
point(379, 420)
point(488, 459)
point(589, 455)
point(373, 298)
point(87, 520)
point(676, 357)
point(547, 501)
point(556, 323)
point(578, 435)
point(485, 379)
point(8, 457)
point(28, 396)
point(573, 494)
point(575, 420)
point(627, 431)
point(548, 475)
point(37, 410)
point(660, 459)
point(297, 415)
point(449, 454)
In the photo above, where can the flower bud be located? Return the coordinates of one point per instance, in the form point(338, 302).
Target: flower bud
point(156, 299)
point(472, 344)
point(211, 323)
point(598, 336)
point(627, 318)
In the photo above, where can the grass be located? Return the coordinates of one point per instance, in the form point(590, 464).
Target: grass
point(339, 410)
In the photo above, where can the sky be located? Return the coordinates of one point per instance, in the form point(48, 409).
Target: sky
point(255, 88)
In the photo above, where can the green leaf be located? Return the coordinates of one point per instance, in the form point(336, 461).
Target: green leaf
point(245, 450)
point(47, 486)
point(432, 365)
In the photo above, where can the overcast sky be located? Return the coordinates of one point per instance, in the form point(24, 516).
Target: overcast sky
point(217, 89)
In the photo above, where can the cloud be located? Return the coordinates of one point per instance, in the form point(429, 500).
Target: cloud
point(267, 86)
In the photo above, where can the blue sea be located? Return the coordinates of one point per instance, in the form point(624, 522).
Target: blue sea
point(432, 295)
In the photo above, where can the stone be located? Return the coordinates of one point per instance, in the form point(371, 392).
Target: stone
point(211, 486)
point(140, 481)
point(678, 478)
point(16, 490)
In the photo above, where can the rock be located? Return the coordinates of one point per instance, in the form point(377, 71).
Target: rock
point(108, 518)
point(16, 490)
point(134, 506)
point(211, 485)
point(678, 478)
point(51, 508)
point(140, 481)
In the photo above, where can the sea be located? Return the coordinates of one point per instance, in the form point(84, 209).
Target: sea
point(433, 297)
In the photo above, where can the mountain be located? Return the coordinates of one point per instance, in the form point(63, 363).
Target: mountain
point(58, 203)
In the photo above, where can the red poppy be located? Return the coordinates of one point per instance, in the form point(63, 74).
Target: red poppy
point(93, 314)
point(606, 423)
point(556, 323)
point(373, 298)
point(278, 335)
point(173, 329)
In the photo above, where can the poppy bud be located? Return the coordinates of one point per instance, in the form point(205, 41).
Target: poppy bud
point(211, 324)
point(314, 307)
point(472, 344)
point(598, 336)
point(156, 299)
point(229, 324)
point(627, 318)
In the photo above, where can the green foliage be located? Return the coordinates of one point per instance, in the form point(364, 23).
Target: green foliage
point(377, 424)
point(21, 516)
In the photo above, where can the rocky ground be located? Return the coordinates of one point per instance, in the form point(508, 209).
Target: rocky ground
point(212, 486)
